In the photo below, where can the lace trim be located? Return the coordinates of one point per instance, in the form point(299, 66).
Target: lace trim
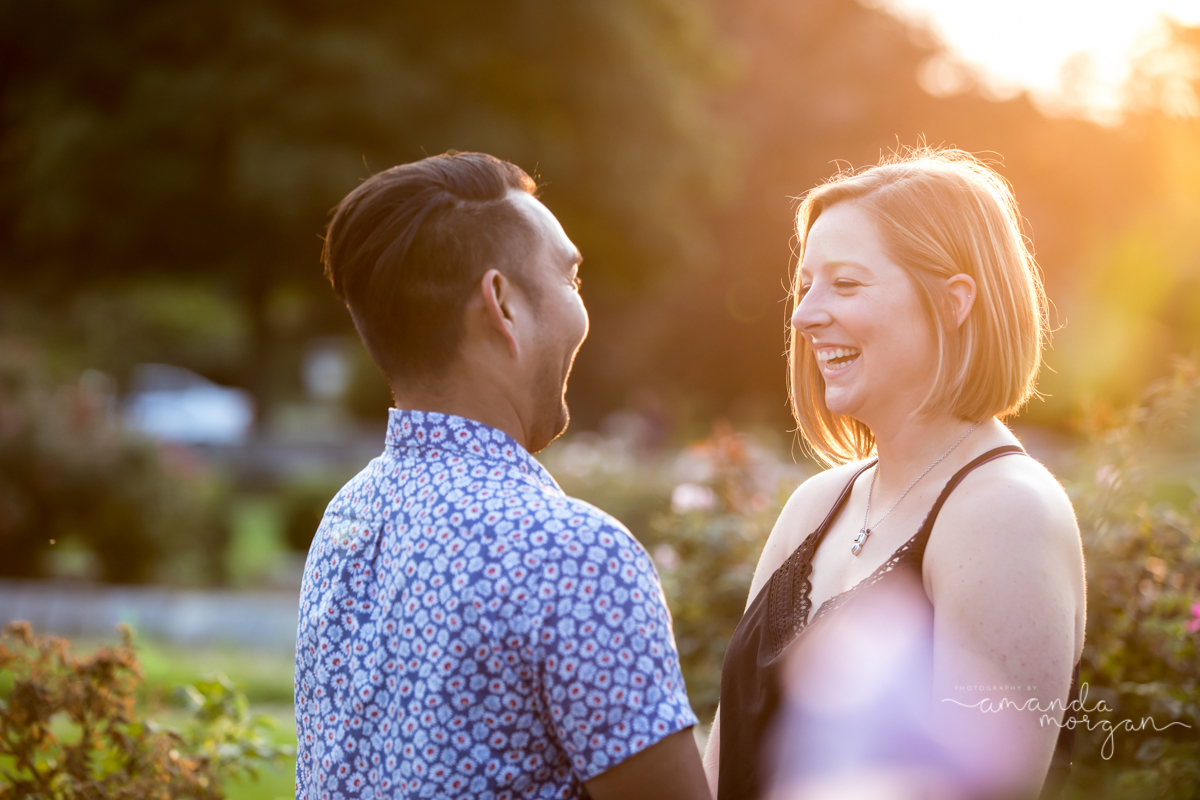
point(788, 601)
point(905, 552)
point(788, 590)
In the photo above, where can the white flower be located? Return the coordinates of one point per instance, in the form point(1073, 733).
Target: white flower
point(666, 557)
point(692, 497)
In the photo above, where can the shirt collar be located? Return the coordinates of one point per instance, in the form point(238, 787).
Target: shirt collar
point(467, 438)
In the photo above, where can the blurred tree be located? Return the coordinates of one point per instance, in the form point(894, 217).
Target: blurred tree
point(210, 139)
point(1136, 303)
point(79, 496)
point(1166, 75)
point(202, 144)
point(824, 85)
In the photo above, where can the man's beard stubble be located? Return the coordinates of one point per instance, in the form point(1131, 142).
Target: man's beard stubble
point(552, 418)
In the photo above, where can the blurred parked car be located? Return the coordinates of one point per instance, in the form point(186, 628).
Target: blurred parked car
point(177, 405)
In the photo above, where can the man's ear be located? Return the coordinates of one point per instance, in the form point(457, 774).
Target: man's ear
point(499, 297)
point(961, 292)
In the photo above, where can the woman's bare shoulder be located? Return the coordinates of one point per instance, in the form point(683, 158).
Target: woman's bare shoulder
point(1013, 489)
point(1004, 566)
point(811, 500)
point(1006, 515)
point(802, 513)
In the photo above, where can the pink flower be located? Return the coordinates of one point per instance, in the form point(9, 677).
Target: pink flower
point(1194, 625)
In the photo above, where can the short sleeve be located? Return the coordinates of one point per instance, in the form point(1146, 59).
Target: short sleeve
point(609, 667)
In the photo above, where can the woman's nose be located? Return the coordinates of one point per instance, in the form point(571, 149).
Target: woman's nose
point(809, 312)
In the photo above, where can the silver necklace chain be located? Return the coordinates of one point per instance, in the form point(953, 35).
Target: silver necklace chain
point(865, 530)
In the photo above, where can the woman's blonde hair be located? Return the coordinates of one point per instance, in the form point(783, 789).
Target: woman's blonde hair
point(940, 212)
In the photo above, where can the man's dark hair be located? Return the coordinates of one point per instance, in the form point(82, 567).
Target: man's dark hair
point(405, 249)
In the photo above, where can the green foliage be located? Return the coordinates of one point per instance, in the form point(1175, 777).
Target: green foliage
point(303, 507)
point(265, 676)
point(70, 728)
point(71, 480)
point(1143, 572)
point(141, 130)
point(237, 743)
point(707, 546)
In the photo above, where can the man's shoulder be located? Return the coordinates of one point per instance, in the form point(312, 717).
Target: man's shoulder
point(593, 522)
point(528, 511)
point(358, 496)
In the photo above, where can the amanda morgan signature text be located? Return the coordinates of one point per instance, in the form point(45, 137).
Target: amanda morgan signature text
point(989, 706)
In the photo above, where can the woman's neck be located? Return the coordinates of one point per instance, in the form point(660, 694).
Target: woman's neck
point(906, 450)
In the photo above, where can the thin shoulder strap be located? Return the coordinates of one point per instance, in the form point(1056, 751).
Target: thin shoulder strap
point(842, 497)
point(787, 607)
point(817, 535)
point(922, 535)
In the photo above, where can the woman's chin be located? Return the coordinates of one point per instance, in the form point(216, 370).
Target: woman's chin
point(840, 403)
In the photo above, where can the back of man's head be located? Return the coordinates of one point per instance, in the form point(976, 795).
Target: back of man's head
point(406, 248)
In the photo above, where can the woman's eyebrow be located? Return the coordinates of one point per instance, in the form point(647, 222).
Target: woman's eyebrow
point(842, 262)
point(845, 262)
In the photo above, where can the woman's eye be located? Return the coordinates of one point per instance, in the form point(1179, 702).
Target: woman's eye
point(804, 290)
point(577, 281)
point(843, 284)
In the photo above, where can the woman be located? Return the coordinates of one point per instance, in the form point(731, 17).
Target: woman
point(918, 322)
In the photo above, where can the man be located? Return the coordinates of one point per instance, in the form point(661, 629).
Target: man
point(466, 629)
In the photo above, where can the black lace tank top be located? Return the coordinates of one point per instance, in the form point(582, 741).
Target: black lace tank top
point(749, 688)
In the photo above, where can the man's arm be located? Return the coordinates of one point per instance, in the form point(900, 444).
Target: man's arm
point(668, 769)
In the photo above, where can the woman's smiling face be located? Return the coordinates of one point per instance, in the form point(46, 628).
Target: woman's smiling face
point(861, 314)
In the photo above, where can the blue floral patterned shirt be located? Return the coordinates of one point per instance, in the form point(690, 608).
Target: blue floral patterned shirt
point(468, 630)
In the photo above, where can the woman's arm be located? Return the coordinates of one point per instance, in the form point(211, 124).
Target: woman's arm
point(712, 754)
point(1005, 572)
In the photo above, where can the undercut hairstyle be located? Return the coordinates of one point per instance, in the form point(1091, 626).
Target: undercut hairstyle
point(939, 212)
point(405, 250)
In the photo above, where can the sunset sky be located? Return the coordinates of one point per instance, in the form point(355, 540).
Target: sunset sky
point(1036, 44)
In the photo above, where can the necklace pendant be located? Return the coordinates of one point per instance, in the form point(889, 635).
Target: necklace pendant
point(864, 531)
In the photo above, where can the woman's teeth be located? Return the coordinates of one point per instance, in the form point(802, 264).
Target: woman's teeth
point(836, 358)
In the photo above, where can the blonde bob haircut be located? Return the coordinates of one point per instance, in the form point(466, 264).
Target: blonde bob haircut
point(939, 212)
